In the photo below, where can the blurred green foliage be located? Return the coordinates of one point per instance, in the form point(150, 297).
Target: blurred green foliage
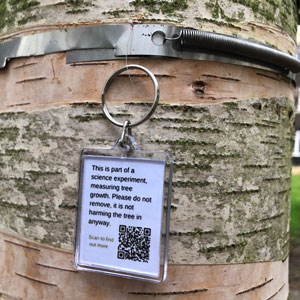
point(295, 207)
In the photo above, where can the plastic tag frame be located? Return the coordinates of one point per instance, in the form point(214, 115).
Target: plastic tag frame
point(117, 152)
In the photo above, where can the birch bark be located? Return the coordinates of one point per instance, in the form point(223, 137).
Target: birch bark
point(228, 127)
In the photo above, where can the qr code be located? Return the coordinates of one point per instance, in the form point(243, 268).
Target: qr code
point(134, 243)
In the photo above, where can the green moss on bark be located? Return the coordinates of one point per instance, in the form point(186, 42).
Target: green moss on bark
point(117, 12)
point(166, 7)
point(3, 12)
point(9, 133)
point(282, 13)
point(217, 11)
point(10, 11)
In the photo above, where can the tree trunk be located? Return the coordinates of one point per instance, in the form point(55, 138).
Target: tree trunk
point(228, 127)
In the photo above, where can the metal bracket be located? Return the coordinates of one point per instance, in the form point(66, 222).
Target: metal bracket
point(105, 42)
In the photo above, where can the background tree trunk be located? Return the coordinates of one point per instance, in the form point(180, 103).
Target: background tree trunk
point(229, 128)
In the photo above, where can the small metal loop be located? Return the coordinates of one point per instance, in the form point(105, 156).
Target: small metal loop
point(178, 37)
point(123, 134)
point(108, 83)
point(124, 147)
point(129, 144)
point(132, 142)
point(124, 142)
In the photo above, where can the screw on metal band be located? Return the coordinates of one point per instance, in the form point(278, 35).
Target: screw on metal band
point(108, 83)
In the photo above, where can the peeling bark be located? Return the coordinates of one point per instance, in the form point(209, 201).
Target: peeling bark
point(181, 82)
point(48, 274)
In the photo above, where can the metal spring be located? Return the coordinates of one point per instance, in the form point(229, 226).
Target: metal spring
point(231, 45)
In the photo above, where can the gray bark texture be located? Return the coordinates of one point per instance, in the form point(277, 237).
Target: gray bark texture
point(16, 14)
point(231, 175)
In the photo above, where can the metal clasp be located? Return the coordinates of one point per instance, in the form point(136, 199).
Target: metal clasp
point(126, 142)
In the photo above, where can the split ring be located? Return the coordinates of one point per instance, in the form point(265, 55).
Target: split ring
point(107, 85)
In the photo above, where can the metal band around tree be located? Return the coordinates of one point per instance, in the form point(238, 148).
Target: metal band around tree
point(110, 42)
point(107, 85)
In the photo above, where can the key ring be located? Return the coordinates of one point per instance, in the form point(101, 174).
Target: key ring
point(108, 83)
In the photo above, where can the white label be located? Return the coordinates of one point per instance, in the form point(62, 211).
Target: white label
point(121, 214)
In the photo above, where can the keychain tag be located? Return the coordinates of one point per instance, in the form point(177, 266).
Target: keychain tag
point(121, 219)
point(124, 210)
